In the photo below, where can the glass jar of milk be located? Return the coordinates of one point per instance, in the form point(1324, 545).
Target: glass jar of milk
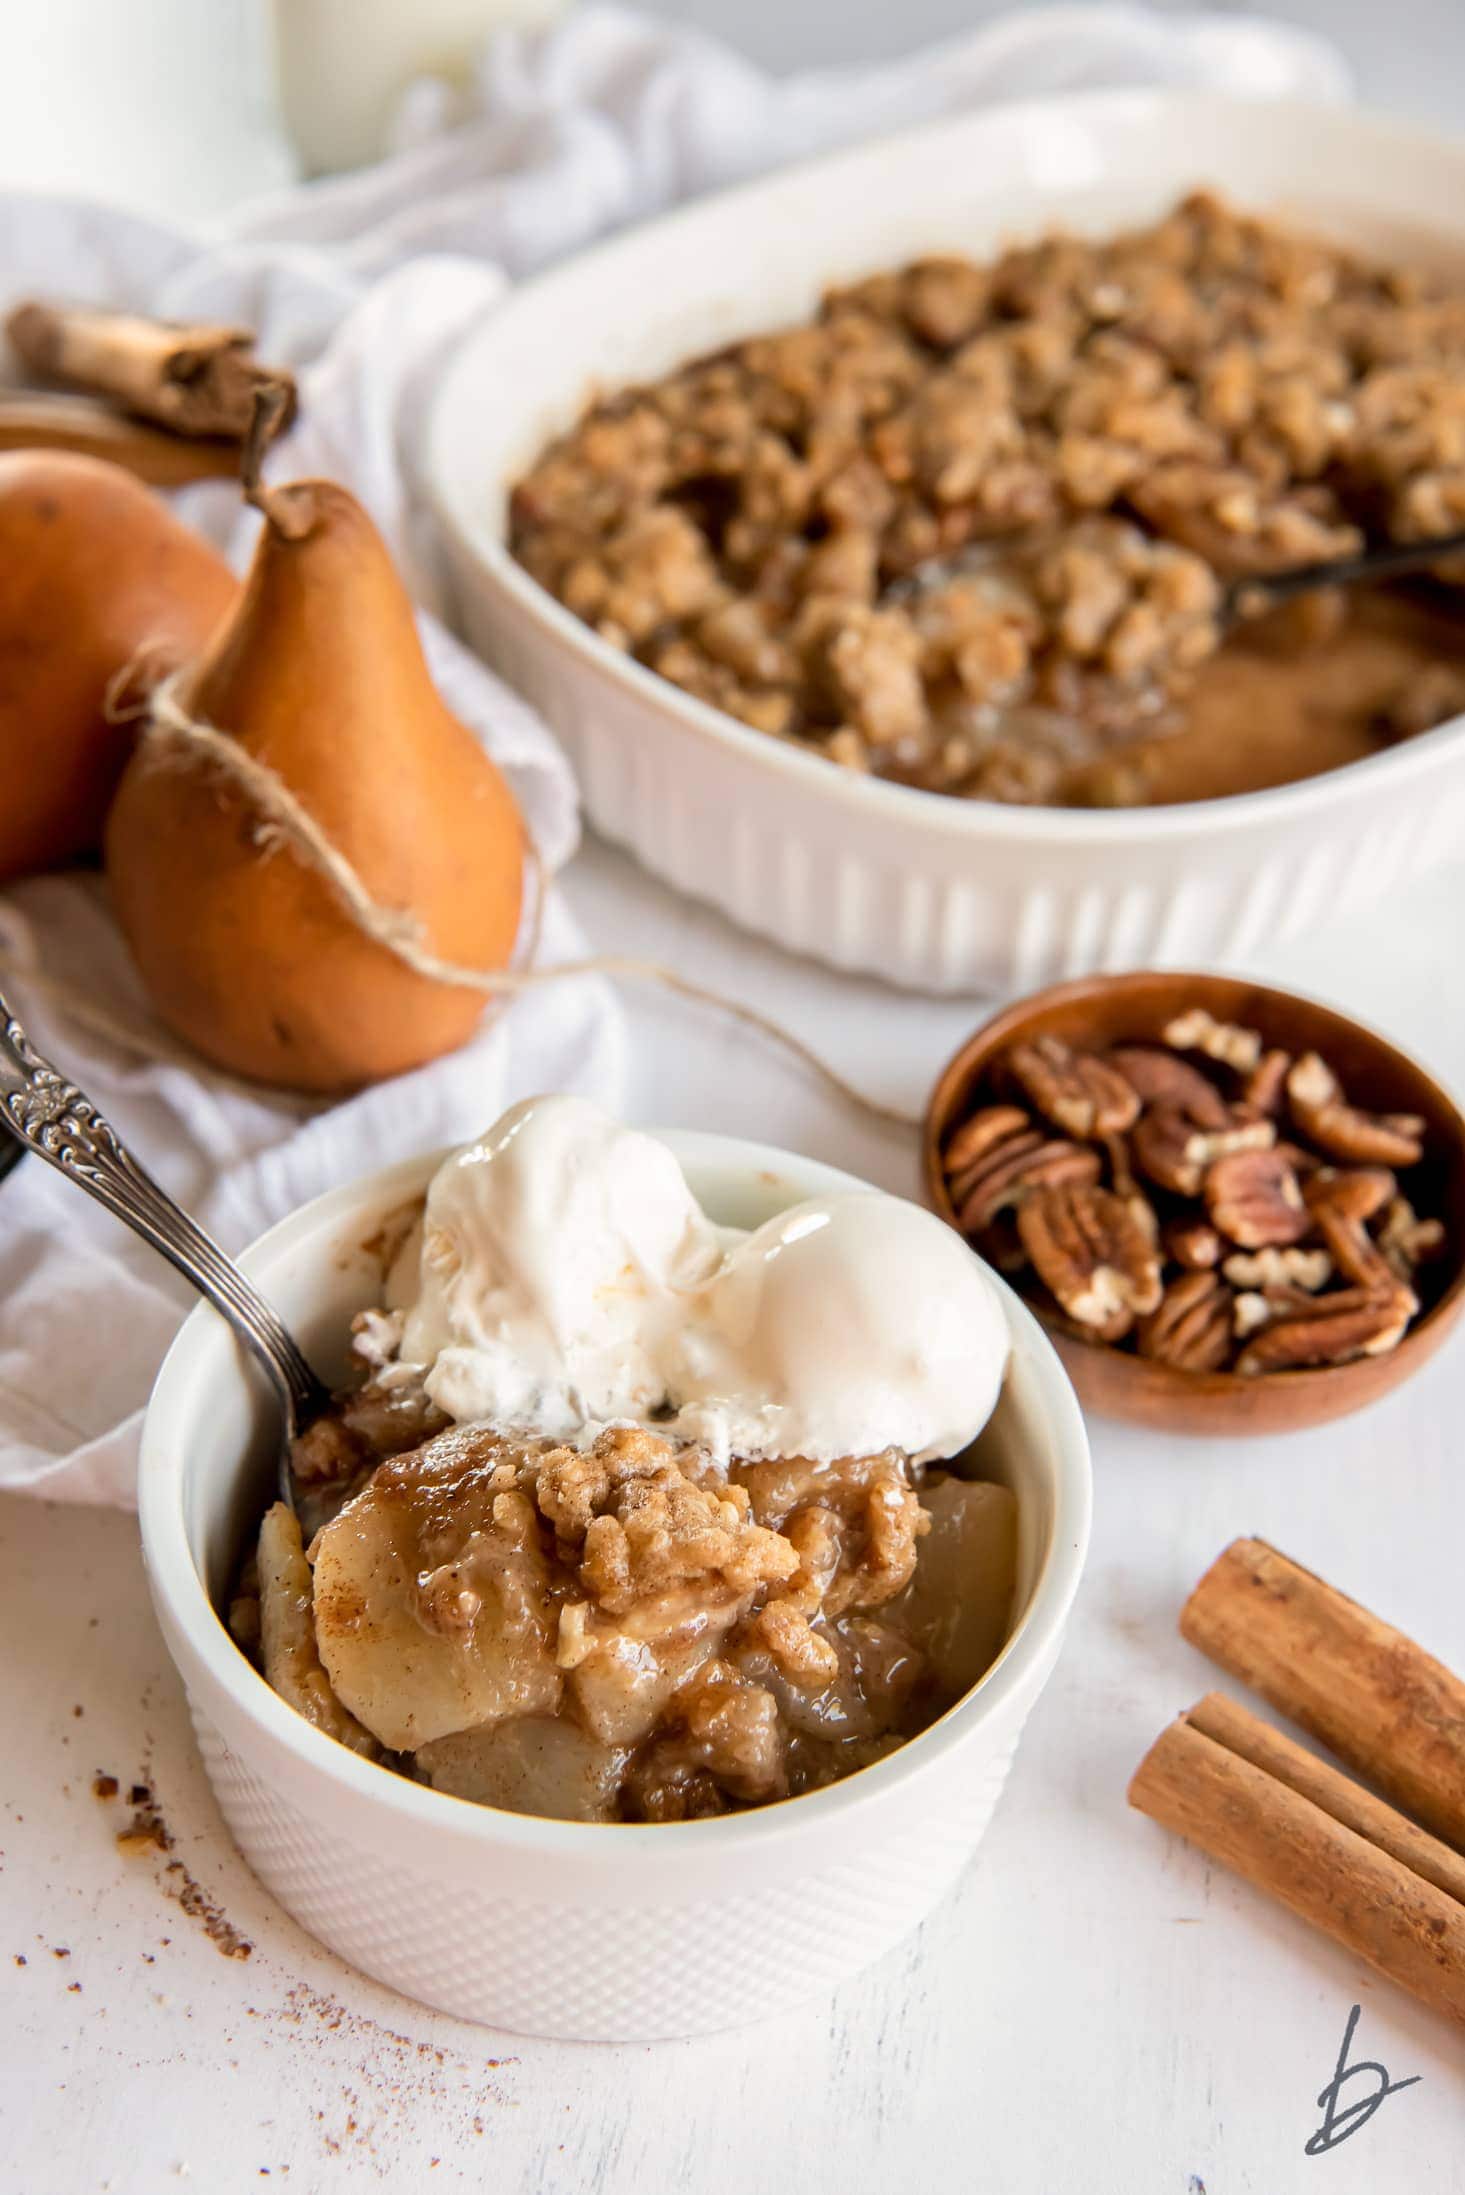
point(343, 64)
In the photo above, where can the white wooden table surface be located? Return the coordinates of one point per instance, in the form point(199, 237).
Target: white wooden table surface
point(1094, 2007)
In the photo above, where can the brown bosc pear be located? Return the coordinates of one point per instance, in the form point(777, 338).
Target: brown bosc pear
point(245, 947)
point(96, 574)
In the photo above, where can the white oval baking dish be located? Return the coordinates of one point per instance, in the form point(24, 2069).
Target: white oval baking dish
point(601, 1932)
point(928, 891)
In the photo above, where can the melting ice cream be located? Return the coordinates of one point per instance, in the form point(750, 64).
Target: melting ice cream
point(567, 1279)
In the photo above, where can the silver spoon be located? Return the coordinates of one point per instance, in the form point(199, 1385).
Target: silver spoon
point(1263, 591)
point(51, 1117)
point(1241, 599)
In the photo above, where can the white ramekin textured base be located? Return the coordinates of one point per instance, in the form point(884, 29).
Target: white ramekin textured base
point(627, 1973)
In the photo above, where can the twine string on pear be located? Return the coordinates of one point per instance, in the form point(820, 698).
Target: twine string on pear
point(282, 823)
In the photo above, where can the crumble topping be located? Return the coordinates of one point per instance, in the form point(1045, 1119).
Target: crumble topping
point(1107, 432)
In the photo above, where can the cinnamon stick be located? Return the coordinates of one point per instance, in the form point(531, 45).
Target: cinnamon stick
point(1373, 1696)
point(1256, 1741)
point(1274, 1836)
point(193, 379)
point(79, 423)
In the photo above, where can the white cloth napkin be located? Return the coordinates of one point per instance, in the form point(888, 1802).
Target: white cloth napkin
point(362, 284)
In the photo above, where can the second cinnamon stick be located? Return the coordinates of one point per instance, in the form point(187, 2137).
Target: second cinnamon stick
point(1348, 1802)
point(1329, 1874)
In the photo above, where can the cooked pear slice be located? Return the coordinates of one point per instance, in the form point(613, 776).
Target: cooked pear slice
point(623, 1683)
point(433, 1610)
point(958, 1607)
point(287, 1634)
point(535, 1765)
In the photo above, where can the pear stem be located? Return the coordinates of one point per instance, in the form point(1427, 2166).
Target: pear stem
point(288, 513)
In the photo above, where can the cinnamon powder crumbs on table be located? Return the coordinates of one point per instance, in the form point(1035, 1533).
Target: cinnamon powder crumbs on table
point(21, 1959)
point(398, 2073)
point(199, 1906)
point(148, 1832)
point(104, 1787)
point(399, 2078)
point(60, 1951)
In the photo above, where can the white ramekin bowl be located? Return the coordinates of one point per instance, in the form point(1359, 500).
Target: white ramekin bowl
point(605, 1932)
point(928, 891)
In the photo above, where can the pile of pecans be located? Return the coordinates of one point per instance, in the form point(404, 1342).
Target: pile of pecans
point(1204, 1200)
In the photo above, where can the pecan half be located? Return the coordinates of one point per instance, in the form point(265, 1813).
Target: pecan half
point(1123, 1183)
point(1191, 1326)
point(1345, 1131)
point(1160, 1078)
point(1308, 1270)
point(1354, 1251)
point(979, 1133)
point(1079, 1092)
point(1266, 1085)
point(1089, 1251)
point(1254, 1199)
point(1193, 1243)
point(1001, 1151)
point(1331, 1329)
point(1198, 1031)
point(1175, 1154)
point(1012, 1170)
point(1359, 1193)
point(1406, 1240)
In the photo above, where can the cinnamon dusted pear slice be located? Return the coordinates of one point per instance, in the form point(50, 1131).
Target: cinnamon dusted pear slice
point(433, 1611)
point(292, 1665)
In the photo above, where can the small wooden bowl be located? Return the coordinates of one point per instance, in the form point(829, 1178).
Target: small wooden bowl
point(1105, 1010)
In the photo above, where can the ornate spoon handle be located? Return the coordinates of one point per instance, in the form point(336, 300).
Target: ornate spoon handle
point(61, 1125)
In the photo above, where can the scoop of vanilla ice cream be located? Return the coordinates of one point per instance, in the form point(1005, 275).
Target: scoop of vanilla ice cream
point(848, 1324)
point(557, 1256)
point(568, 1279)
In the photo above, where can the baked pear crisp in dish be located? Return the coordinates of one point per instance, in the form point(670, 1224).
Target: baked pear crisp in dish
point(972, 528)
